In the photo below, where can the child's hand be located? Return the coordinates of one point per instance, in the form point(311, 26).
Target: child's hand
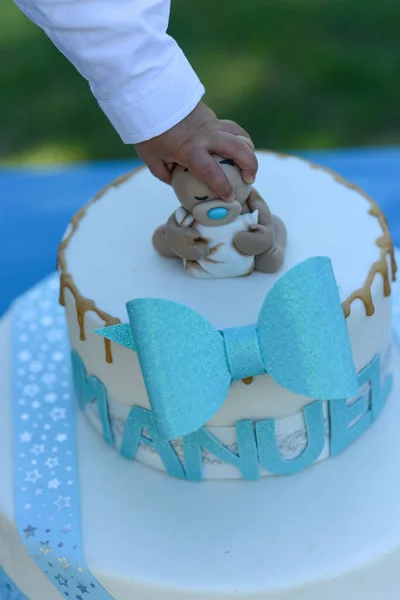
point(190, 144)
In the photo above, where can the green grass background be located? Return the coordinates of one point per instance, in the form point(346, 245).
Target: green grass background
point(295, 73)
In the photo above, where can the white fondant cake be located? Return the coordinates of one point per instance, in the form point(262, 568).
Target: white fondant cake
point(331, 532)
point(107, 259)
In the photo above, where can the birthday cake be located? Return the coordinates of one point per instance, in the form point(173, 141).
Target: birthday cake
point(210, 342)
point(107, 259)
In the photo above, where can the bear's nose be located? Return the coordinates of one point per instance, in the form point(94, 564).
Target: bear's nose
point(217, 213)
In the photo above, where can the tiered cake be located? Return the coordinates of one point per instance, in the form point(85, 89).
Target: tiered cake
point(140, 326)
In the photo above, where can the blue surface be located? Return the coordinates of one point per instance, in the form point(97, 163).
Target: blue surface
point(8, 591)
point(36, 205)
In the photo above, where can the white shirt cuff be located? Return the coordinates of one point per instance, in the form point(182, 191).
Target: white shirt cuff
point(152, 110)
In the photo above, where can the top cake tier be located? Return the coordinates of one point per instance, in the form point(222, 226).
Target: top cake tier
point(107, 258)
point(108, 249)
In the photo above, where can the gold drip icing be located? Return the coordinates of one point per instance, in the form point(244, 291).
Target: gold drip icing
point(384, 243)
point(83, 305)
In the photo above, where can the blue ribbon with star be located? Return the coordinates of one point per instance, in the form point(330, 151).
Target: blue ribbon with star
point(46, 477)
point(300, 339)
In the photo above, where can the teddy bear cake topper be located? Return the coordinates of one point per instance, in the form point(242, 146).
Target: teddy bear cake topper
point(221, 239)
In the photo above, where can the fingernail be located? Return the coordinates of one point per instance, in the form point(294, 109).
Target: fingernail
point(249, 179)
point(230, 198)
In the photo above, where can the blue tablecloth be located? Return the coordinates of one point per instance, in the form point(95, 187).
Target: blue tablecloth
point(36, 205)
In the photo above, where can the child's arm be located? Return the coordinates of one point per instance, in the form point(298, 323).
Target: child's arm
point(139, 75)
point(144, 83)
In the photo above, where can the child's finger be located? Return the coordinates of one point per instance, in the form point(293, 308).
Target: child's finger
point(235, 129)
point(160, 170)
point(201, 164)
point(239, 150)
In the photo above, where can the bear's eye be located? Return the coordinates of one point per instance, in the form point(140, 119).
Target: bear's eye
point(201, 198)
point(186, 169)
point(227, 161)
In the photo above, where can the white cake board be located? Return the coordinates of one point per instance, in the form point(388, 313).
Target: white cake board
point(331, 532)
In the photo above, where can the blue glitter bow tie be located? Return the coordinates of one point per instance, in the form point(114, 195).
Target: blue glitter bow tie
point(300, 340)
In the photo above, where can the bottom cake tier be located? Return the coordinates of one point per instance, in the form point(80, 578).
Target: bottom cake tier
point(330, 532)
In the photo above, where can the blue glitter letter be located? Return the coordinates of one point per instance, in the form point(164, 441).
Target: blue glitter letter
point(138, 419)
point(348, 422)
point(89, 389)
point(379, 394)
point(269, 454)
point(245, 460)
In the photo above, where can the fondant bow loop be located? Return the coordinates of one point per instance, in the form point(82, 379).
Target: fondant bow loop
point(300, 339)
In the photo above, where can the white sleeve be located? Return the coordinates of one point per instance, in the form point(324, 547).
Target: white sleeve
point(139, 75)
